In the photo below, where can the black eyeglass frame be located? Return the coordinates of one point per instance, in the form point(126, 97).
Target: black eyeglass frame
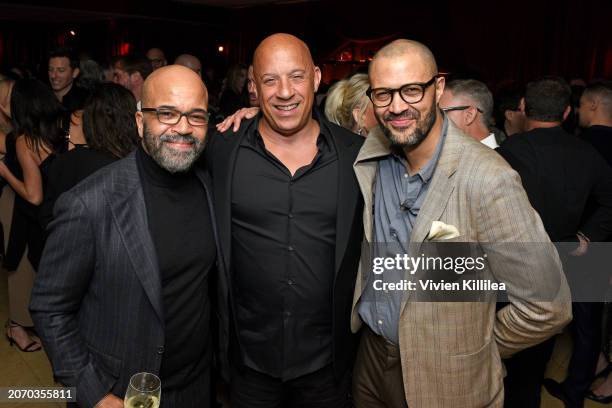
point(460, 108)
point(181, 114)
point(393, 91)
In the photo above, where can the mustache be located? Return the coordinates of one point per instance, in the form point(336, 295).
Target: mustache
point(407, 114)
point(179, 138)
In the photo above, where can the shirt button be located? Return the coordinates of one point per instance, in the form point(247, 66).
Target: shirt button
point(379, 322)
point(291, 282)
point(160, 350)
point(287, 314)
point(290, 215)
point(290, 248)
point(405, 175)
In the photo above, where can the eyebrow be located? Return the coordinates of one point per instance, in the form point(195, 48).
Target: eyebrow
point(295, 71)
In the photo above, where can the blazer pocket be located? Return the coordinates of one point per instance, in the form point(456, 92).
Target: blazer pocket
point(109, 364)
point(482, 350)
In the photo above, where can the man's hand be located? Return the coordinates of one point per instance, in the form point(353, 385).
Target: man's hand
point(583, 246)
point(110, 401)
point(236, 118)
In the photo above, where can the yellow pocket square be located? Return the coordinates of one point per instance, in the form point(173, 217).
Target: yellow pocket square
point(442, 231)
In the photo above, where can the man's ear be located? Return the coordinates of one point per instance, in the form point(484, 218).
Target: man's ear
point(139, 122)
point(439, 84)
point(566, 112)
point(317, 78)
point(469, 115)
point(75, 73)
point(521, 106)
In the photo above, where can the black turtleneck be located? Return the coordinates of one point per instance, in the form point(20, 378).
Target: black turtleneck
point(181, 229)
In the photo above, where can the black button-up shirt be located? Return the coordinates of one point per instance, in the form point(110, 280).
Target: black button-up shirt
point(283, 247)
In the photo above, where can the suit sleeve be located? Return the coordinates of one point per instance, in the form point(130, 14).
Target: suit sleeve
point(62, 282)
point(521, 255)
point(598, 227)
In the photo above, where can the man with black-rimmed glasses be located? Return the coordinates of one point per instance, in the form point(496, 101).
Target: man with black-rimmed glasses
point(122, 287)
point(469, 104)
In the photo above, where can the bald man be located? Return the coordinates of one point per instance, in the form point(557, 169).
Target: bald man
point(290, 227)
point(157, 58)
point(426, 183)
point(123, 284)
point(190, 61)
point(595, 116)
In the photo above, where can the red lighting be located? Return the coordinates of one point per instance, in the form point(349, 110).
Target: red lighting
point(124, 48)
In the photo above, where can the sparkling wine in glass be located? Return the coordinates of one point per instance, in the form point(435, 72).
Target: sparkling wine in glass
point(144, 391)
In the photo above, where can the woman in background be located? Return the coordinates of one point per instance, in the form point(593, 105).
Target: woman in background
point(234, 96)
point(36, 137)
point(109, 130)
point(348, 105)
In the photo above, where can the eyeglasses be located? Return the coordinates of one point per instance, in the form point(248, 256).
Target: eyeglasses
point(410, 93)
point(460, 108)
point(168, 116)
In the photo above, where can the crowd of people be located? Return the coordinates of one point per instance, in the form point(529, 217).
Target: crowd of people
point(212, 231)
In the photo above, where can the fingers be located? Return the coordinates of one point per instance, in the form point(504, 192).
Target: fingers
point(237, 118)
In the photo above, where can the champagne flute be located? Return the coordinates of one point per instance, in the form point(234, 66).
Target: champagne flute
point(144, 391)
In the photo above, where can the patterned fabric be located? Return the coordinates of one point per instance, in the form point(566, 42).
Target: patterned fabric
point(451, 352)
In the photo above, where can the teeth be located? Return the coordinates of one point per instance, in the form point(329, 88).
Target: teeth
point(287, 107)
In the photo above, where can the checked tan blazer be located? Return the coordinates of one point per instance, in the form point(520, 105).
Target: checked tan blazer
point(451, 352)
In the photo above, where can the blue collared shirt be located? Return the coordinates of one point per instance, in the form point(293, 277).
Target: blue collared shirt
point(398, 197)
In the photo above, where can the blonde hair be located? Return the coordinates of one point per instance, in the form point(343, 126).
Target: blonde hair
point(345, 96)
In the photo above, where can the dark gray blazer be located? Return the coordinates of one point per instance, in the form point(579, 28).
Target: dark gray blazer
point(96, 301)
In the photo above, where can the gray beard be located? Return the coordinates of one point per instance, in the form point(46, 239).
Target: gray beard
point(171, 160)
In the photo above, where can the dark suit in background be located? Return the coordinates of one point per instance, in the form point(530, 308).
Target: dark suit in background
point(316, 303)
point(561, 175)
point(98, 301)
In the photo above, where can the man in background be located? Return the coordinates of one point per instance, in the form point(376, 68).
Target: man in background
point(469, 104)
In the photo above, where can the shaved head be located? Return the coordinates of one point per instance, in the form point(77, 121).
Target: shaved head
point(404, 78)
point(413, 50)
point(286, 80)
point(157, 58)
point(190, 61)
point(172, 120)
point(280, 43)
point(173, 79)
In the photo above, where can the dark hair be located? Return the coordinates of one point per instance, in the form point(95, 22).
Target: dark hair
point(507, 98)
point(546, 99)
point(136, 63)
point(65, 52)
point(109, 123)
point(37, 115)
point(91, 74)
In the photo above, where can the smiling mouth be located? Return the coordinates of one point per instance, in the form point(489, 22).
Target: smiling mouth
point(287, 108)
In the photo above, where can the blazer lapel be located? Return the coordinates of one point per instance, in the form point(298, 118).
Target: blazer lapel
point(223, 174)
point(348, 196)
point(127, 206)
point(438, 194)
point(441, 186)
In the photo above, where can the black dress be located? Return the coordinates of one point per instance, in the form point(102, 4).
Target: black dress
point(26, 231)
point(66, 171)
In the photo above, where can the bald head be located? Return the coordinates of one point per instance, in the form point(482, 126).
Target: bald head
point(173, 80)
point(157, 58)
point(415, 51)
point(281, 44)
point(190, 61)
point(173, 118)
